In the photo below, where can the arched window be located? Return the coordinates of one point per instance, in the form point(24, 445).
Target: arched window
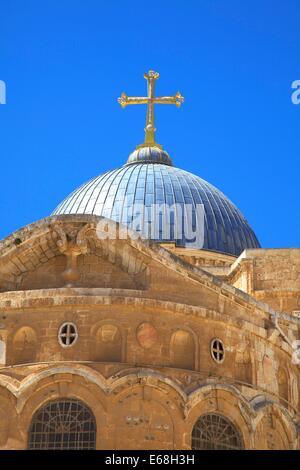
point(215, 432)
point(182, 350)
point(62, 425)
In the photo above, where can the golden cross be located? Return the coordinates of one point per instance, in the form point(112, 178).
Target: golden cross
point(150, 101)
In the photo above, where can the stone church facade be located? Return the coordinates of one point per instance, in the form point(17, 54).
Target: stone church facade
point(130, 343)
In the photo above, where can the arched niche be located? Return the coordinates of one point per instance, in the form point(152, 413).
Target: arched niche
point(182, 350)
point(108, 344)
point(2, 350)
point(271, 434)
point(143, 419)
point(283, 386)
point(4, 425)
point(24, 346)
point(243, 366)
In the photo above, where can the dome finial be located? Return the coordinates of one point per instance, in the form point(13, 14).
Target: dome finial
point(150, 100)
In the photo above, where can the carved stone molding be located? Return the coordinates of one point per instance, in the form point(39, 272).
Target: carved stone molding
point(72, 244)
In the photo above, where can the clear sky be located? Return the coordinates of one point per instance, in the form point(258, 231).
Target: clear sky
point(65, 62)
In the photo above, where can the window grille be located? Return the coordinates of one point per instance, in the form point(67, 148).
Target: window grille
point(62, 425)
point(215, 432)
point(67, 334)
point(217, 350)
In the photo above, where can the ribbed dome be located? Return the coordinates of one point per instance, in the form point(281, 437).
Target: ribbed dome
point(136, 184)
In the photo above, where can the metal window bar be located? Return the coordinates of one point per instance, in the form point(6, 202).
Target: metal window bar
point(215, 432)
point(63, 425)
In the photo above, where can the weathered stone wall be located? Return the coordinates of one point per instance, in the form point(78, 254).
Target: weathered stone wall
point(148, 332)
point(142, 361)
point(270, 275)
point(139, 408)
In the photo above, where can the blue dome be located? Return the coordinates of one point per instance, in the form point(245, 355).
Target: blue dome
point(113, 193)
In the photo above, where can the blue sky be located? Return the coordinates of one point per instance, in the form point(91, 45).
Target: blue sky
point(65, 62)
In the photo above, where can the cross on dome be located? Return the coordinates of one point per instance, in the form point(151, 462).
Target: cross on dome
point(150, 100)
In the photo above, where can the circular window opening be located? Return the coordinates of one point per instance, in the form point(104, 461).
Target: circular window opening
point(217, 350)
point(67, 334)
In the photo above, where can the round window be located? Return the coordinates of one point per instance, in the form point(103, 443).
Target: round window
point(217, 350)
point(67, 334)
